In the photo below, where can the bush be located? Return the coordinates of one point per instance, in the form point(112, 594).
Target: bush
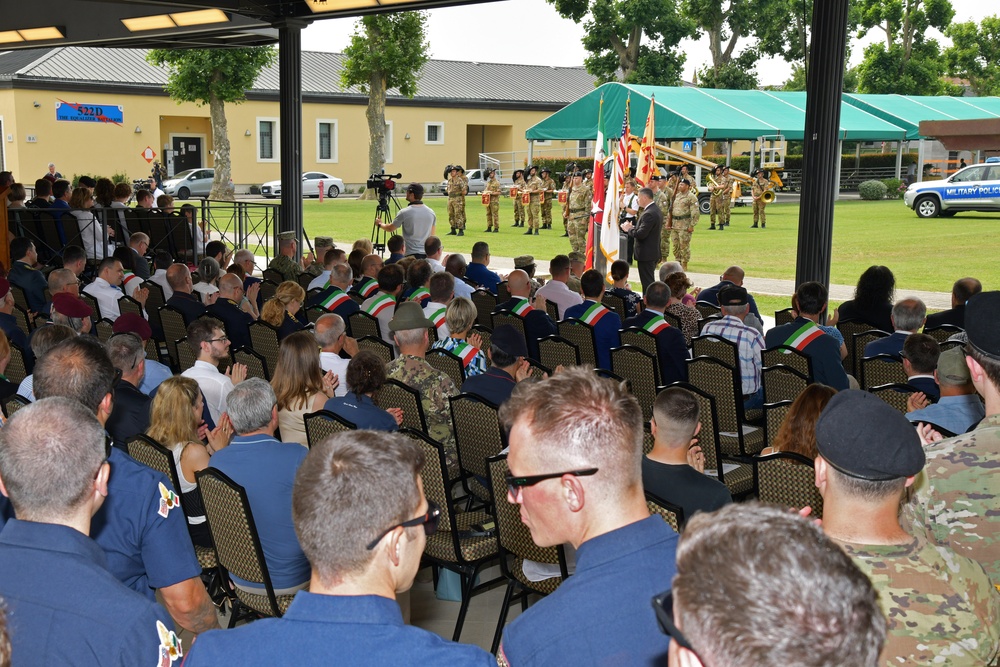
point(872, 190)
point(894, 188)
point(120, 177)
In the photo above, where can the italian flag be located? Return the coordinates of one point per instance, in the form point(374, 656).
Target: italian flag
point(437, 317)
point(420, 294)
point(466, 353)
point(379, 304)
point(656, 325)
point(335, 299)
point(594, 314)
point(368, 287)
point(522, 307)
point(128, 277)
point(804, 335)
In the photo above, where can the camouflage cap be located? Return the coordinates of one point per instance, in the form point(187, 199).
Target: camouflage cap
point(952, 369)
point(409, 315)
point(862, 436)
point(286, 236)
point(523, 261)
point(982, 311)
point(577, 257)
point(323, 242)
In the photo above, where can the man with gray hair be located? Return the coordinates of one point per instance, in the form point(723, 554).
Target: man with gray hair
point(908, 315)
point(70, 311)
point(63, 280)
point(331, 334)
point(335, 297)
point(43, 340)
point(62, 602)
point(139, 243)
point(130, 414)
point(265, 468)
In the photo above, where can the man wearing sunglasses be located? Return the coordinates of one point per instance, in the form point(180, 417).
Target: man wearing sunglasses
point(575, 461)
point(362, 520)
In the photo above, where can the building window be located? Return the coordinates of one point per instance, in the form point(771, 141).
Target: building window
point(326, 140)
point(546, 142)
point(433, 133)
point(387, 142)
point(267, 140)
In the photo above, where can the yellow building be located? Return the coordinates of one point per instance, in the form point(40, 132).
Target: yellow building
point(103, 111)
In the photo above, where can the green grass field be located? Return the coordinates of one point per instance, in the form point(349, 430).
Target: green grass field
point(923, 254)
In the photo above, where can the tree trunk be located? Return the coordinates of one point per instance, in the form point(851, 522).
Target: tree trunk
point(221, 188)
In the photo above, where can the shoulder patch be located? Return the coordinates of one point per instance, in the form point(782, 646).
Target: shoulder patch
point(170, 646)
point(168, 501)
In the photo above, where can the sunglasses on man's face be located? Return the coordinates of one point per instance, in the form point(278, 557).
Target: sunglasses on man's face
point(429, 521)
point(663, 604)
point(515, 483)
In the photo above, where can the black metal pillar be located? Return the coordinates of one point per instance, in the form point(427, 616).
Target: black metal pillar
point(820, 155)
point(290, 124)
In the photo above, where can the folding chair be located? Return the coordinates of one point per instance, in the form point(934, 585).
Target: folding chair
point(556, 351)
point(672, 514)
point(485, 303)
point(615, 304)
point(321, 424)
point(448, 363)
point(880, 370)
point(737, 437)
point(395, 394)
point(264, 339)
point(478, 436)
point(787, 478)
point(580, 334)
point(641, 371)
point(361, 324)
point(378, 346)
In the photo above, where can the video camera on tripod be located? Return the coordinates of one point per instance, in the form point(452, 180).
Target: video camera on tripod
point(382, 183)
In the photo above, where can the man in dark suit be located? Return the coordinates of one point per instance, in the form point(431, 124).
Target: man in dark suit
point(227, 308)
point(24, 274)
point(961, 292)
point(334, 296)
point(130, 412)
point(605, 322)
point(179, 279)
point(646, 233)
point(43, 189)
point(734, 275)
point(908, 315)
point(920, 359)
point(670, 347)
point(537, 323)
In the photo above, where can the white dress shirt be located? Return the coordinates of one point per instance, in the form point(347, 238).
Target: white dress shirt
point(329, 361)
point(214, 385)
point(160, 278)
point(558, 293)
point(436, 266)
point(463, 288)
point(106, 296)
point(320, 281)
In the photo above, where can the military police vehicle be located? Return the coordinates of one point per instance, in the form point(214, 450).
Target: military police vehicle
point(975, 188)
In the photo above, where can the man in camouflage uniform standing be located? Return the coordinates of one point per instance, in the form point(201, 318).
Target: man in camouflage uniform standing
point(757, 189)
point(718, 194)
point(285, 263)
point(535, 187)
point(726, 203)
point(868, 454)
point(684, 215)
point(518, 204)
point(664, 199)
point(549, 186)
point(458, 187)
point(493, 207)
point(580, 197)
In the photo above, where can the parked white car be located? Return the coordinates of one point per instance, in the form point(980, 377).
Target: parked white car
point(332, 186)
point(975, 188)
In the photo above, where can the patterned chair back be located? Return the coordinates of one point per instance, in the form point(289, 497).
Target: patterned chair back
point(580, 334)
point(321, 424)
point(788, 479)
point(641, 371)
point(557, 351)
point(395, 394)
point(448, 363)
point(672, 514)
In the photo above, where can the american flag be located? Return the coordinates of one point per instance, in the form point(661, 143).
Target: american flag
point(616, 184)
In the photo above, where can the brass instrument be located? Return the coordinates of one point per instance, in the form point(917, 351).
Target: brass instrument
point(768, 195)
point(716, 190)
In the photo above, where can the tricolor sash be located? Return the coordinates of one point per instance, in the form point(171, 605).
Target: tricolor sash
point(804, 335)
point(522, 307)
point(437, 317)
point(465, 352)
point(420, 294)
point(128, 277)
point(379, 304)
point(368, 287)
point(337, 298)
point(594, 314)
point(656, 325)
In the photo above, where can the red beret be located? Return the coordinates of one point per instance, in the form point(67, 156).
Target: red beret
point(4, 287)
point(132, 323)
point(71, 305)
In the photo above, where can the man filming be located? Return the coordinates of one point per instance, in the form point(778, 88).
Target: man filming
point(417, 220)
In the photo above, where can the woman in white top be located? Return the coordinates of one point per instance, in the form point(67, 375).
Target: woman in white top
point(208, 279)
point(91, 233)
point(176, 423)
point(199, 229)
point(300, 385)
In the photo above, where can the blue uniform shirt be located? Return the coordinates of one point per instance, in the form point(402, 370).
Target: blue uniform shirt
point(322, 630)
point(495, 385)
point(156, 373)
point(481, 275)
point(65, 608)
point(142, 530)
point(361, 411)
point(605, 331)
point(266, 469)
point(601, 615)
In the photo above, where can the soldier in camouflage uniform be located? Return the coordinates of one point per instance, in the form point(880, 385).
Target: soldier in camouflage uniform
point(941, 607)
point(409, 327)
point(726, 203)
point(322, 243)
point(285, 263)
point(957, 497)
point(458, 187)
point(757, 189)
point(549, 186)
point(518, 204)
point(526, 263)
point(662, 199)
point(493, 207)
point(718, 194)
point(535, 187)
point(579, 204)
point(684, 216)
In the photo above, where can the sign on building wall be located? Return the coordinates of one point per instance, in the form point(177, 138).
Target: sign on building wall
point(89, 113)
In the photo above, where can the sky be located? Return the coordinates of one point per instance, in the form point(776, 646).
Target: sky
point(531, 32)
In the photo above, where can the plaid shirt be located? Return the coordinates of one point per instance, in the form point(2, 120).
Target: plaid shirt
point(749, 343)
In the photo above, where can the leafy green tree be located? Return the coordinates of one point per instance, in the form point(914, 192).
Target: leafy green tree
point(634, 39)
point(782, 29)
point(386, 51)
point(975, 54)
point(213, 77)
point(739, 73)
point(797, 81)
point(725, 23)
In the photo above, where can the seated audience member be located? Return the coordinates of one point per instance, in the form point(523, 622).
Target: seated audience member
point(16, 196)
point(247, 262)
point(366, 282)
point(442, 290)
point(537, 323)
point(91, 234)
point(575, 470)
point(71, 311)
point(365, 375)
point(211, 345)
point(868, 454)
point(174, 421)
point(364, 244)
point(130, 281)
point(872, 302)
point(227, 308)
point(797, 433)
point(62, 192)
point(456, 266)
point(208, 280)
point(361, 516)
point(321, 244)
point(675, 468)
point(138, 243)
point(434, 252)
point(804, 335)
point(749, 342)
point(334, 297)
point(577, 264)
point(409, 332)
point(165, 203)
point(7, 388)
point(155, 371)
point(961, 291)
point(120, 195)
point(678, 283)
point(139, 526)
point(265, 468)
point(218, 251)
point(734, 603)
point(42, 342)
point(908, 317)
point(920, 356)
point(477, 270)
point(75, 259)
point(105, 288)
point(331, 335)
point(555, 290)
point(144, 199)
point(130, 411)
point(460, 316)
point(42, 193)
point(606, 323)
point(670, 348)
point(323, 277)
point(63, 280)
point(733, 277)
point(300, 385)
point(382, 304)
point(9, 323)
point(283, 311)
point(183, 298)
point(24, 274)
point(62, 602)
point(417, 277)
point(958, 409)
point(161, 262)
point(395, 246)
point(509, 365)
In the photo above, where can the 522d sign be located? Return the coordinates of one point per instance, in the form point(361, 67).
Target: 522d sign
point(89, 113)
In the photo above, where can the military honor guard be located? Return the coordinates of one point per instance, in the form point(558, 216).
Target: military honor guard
point(491, 199)
point(458, 187)
point(762, 194)
point(515, 193)
point(549, 188)
point(684, 215)
point(578, 210)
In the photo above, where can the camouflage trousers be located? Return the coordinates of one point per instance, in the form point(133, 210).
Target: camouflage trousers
point(725, 207)
point(682, 245)
point(534, 209)
point(493, 214)
point(758, 211)
point(456, 212)
point(547, 213)
point(518, 209)
point(664, 244)
point(715, 208)
point(577, 229)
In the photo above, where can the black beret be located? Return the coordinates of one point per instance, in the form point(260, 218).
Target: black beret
point(982, 312)
point(862, 436)
point(733, 295)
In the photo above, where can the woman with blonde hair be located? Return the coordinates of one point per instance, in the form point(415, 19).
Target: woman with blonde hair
point(460, 316)
point(175, 421)
point(364, 245)
point(300, 385)
point(797, 433)
point(284, 309)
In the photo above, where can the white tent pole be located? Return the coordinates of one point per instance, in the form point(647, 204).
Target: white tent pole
point(531, 149)
point(697, 166)
point(920, 160)
point(899, 160)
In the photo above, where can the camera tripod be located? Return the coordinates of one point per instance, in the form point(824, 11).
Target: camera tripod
point(382, 212)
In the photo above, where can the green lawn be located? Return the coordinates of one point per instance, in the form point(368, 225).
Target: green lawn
point(924, 254)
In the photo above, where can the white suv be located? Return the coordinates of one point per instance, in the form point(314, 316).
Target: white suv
point(975, 188)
